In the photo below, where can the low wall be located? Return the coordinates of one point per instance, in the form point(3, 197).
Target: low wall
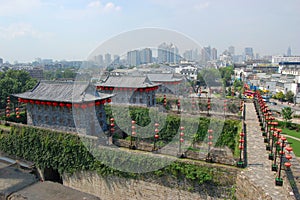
point(111, 188)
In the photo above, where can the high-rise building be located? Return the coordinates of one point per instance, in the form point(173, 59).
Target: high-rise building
point(1, 61)
point(188, 55)
point(107, 57)
point(289, 52)
point(116, 60)
point(146, 56)
point(249, 55)
point(99, 60)
point(214, 54)
point(231, 50)
point(206, 54)
point(167, 53)
point(133, 58)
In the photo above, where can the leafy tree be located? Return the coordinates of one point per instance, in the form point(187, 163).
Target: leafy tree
point(226, 73)
point(12, 82)
point(286, 114)
point(279, 95)
point(289, 96)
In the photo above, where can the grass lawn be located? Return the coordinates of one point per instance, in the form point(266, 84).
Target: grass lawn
point(295, 145)
point(293, 133)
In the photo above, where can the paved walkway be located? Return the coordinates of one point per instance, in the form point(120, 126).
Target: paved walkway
point(259, 166)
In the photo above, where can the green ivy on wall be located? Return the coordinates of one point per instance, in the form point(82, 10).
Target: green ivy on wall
point(66, 153)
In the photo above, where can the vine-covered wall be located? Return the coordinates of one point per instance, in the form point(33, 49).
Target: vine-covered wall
point(66, 153)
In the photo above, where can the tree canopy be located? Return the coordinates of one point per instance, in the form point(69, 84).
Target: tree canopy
point(12, 82)
point(289, 96)
point(286, 113)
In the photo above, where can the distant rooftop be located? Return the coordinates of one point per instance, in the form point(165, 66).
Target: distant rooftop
point(127, 81)
point(163, 77)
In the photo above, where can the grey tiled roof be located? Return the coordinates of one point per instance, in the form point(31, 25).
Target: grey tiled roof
point(127, 81)
point(162, 77)
point(63, 92)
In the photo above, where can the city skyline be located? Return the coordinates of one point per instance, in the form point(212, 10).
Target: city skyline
point(70, 31)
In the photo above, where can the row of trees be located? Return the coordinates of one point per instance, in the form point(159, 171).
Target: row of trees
point(289, 96)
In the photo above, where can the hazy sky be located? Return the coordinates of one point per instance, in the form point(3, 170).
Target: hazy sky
point(70, 30)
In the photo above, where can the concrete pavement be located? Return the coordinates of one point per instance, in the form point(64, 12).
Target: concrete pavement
point(259, 166)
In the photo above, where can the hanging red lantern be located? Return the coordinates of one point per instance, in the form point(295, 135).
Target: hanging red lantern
point(288, 164)
point(69, 105)
point(55, 104)
point(181, 140)
point(288, 156)
point(156, 136)
point(289, 149)
point(83, 106)
point(61, 104)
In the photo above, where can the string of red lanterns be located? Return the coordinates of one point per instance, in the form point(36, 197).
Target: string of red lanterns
point(209, 143)
point(133, 133)
point(148, 89)
point(68, 105)
point(8, 107)
point(181, 141)
point(156, 136)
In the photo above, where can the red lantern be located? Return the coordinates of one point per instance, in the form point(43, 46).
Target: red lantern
point(182, 128)
point(241, 147)
point(156, 124)
point(69, 105)
point(61, 104)
point(289, 149)
point(156, 130)
point(181, 134)
point(156, 136)
point(210, 137)
point(181, 140)
point(112, 120)
point(133, 133)
point(210, 131)
point(83, 106)
point(55, 104)
point(132, 122)
point(288, 164)
point(97, 103)
point(288, 156)
point(209, 143)
point(241, 141)
point(108, 100)
point(91, 104)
